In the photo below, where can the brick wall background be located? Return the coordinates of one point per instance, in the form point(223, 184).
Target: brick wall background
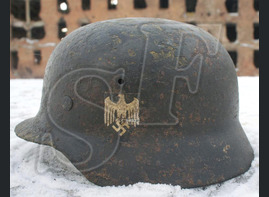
point(37, 26)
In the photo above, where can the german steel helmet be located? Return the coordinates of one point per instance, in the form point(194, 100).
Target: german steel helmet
point(142, 100)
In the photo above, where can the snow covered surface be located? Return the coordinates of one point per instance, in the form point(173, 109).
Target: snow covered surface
point(36, 171)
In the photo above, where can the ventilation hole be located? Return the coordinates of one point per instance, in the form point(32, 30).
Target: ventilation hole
point(62, 28)
point(37, 56)
point(256, 5)
point(34, 10)
point(38, 32)
point(233, 55)
point(18, 9)
point(256, 31)
point(231, 32)
point(120, 81)
point(256, 58)
point(18, 32)
point(140, 4)
point(63, 6)
point(231, 6)
point(86, 4)
point(190, 5)
point(164, 3)
point(112, 4)
point(14, 60)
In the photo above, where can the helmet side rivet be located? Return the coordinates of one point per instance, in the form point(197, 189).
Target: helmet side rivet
point(120, 81)
point(67, 103)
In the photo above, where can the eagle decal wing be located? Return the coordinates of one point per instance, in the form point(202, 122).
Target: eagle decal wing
point(133, 112)
point(109, 114)
point(121, 111)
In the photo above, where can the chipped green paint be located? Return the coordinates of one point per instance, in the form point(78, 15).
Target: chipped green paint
point(131, 53)
point(167, 54)
point(116, 40)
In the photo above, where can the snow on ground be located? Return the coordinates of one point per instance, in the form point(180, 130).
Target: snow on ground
point(35, 171)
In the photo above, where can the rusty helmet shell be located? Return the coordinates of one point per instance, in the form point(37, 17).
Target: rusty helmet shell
point(171, 86)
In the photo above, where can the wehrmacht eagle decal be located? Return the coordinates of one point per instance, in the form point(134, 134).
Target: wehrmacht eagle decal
point(124, 114)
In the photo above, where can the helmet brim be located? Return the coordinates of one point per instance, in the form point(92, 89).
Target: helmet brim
point(197, 161)
point(27, 130)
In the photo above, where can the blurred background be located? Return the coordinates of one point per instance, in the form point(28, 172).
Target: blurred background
point(37, 26)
